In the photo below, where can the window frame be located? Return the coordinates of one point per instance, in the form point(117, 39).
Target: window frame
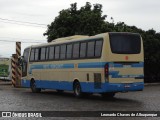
point(78, 43)
point(85, 50)
point(68, 43)
point(38, 55)
point(52, 46)
point(31, 60)
point(40, 59)
point(71, 51)
point(60, 52)
point(55, 52)
point(100, 49)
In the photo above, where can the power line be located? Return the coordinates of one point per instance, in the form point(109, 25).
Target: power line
point(19, 41)
point(22, 22)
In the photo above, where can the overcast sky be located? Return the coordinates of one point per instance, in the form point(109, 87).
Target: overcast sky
point(141, 13)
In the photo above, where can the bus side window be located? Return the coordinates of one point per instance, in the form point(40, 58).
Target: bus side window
point(51, 53)
point(32, 55)
point(36, 54)
point(98, 48)
point(43, 55)
point(90, 49)
point(76, 50)
point(69, 51)
point(26, 54)
point(47, 50)
point(83, 50)
point(57, 50)
point(63, 52)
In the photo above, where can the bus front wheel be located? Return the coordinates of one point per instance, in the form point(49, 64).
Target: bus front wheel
point(77, 89)
point(33, 87)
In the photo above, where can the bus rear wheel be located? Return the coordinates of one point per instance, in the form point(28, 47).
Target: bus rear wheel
point(77, 90)
point(33, 87)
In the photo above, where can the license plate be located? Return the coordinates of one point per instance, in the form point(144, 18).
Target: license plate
point(126, 66)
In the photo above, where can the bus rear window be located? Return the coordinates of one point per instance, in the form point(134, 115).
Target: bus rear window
point(125, 43)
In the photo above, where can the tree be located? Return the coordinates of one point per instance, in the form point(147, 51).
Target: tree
point(71, 21)
point(88, 20)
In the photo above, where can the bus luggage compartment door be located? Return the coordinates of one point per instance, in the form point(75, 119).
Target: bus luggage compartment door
point(97, 81)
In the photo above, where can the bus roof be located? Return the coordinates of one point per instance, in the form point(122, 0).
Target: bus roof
point(68, 39)
point(75, 38)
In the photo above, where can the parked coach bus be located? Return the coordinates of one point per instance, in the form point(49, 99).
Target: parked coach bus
point(106, 63)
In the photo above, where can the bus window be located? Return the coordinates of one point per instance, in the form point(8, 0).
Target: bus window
point(125, 43)
point(26, 54)
point(57, 52)
point(25, 62)
point(43, 55)
point(69, 51)
point(98, 48)
point(32, 55)
point(76, 50)
point(90, 49)
point(47, 49)
point(36, 54)
point(51, 53)
point(63, 52)
point(83, 50)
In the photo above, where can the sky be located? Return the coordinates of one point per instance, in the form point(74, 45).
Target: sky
point(17, 16)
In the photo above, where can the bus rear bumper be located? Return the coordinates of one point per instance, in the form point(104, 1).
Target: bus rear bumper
point(123, 87)
point(113, 87)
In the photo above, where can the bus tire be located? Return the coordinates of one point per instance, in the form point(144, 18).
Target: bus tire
point(33, 87)
point(108, 95)
point(77, 89)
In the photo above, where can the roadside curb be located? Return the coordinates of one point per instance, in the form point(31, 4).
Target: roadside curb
point(148, 84)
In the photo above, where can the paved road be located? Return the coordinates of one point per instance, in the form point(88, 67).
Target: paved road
point(15, 99)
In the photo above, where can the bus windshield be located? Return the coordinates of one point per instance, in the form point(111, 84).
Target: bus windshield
point(125, 43)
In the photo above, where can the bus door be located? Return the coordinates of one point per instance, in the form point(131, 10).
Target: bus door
point(25, 62)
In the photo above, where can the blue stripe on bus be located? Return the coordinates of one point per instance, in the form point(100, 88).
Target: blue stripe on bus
point(81, 65)
point(141, 64)
point(115, 74)
point(118, 65)
point(51, 66)
point(86, 86)
point(92, 65)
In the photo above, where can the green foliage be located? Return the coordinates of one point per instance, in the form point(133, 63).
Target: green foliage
point(71, 21)
point(4, 70)
point(89, 20)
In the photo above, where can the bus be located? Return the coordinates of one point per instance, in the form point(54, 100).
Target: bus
point(5, 68)
point(106, 63)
